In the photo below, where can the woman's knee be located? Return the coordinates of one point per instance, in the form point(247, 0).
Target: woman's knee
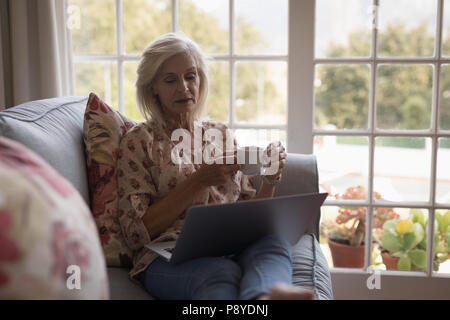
point(273, 244)
point(269, 246)
point(219, 269)
point(219, 279)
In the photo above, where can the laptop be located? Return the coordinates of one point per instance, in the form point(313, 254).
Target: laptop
point(225, 229)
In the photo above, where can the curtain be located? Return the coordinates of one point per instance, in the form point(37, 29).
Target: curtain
point(35, 55)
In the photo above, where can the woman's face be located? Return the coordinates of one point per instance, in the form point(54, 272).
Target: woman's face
point(177, 85)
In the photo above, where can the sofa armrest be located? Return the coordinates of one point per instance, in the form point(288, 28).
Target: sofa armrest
point(299, 176)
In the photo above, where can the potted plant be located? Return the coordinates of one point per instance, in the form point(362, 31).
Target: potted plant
point(345, 235)
point(404, 242)
point(441, 239)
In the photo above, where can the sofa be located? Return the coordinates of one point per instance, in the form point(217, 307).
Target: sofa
point(53, 128)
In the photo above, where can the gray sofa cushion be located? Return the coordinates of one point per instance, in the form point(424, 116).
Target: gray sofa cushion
point(53, 128)
point(299, 176)
point(310, 268)
point(122, 288)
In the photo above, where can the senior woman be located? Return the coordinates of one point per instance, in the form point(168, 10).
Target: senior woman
point(154, 192)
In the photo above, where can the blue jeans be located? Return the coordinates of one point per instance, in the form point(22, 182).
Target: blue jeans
point(245, 275)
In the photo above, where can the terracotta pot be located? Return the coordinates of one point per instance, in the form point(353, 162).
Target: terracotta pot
point(389, 261)
point(346, 256)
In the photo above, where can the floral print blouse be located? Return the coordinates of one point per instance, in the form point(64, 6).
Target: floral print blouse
point(146, 174)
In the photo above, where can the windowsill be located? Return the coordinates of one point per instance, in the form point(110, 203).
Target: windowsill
point(444, 270)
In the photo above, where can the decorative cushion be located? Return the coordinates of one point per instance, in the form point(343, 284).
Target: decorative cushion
point(49, 245)
point(102, 131)
point(47, 125)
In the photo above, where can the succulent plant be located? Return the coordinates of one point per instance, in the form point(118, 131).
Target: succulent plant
point(406, 240)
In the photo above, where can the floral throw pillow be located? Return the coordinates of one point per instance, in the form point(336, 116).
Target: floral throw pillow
point(102, 132)
point(49, 245)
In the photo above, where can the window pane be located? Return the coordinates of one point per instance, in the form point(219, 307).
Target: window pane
point(96, 30)
point(144, 21)
point(218, 98)
point(343, 28)
point(206, 22)
point(399, 232)
point(444, 110)
point(261, 26)
point(341, 96)
point(441, 261)
point(261, 92)
point(259, 137)
point(131, 108)
point(407, 27)
point(443, 172)
point(404, 96)
point(402, 168)
point(446, 29)
point(340, 226)
point(343, 163)
point(97, 77)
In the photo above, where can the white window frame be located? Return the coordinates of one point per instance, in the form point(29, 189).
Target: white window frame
point(231, 57)
point(300, 132)
point(352, 283)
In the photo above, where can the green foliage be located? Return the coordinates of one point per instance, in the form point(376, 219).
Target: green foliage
point(355, 140)
point(96, 34)
point(400, 142)
point(248, 40)
point(418, 258)
point(443, 220)
point(202, 28)
point(144, 21)
point(404, 94)
point(400, 42)
point(402, 245)
point(418, 216)
point(404, 263)
point(248, 76)
point(342, 98)
point(410, 247)
point(444, 111)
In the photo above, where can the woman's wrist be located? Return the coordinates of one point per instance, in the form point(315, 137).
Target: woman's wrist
point(272, 180)
point(196, 181)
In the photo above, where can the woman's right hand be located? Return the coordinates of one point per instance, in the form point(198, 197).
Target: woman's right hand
point(215, 174)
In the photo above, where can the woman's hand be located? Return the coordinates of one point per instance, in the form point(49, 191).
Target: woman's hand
point(215, 174)
point(279, 161)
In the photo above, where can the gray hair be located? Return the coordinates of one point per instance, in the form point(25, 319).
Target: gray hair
point(153, 57)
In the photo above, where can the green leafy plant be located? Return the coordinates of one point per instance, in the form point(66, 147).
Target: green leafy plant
point(441, 238)
point(406, 240)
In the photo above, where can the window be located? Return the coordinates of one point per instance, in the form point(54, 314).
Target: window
point(381, 131)
point(247, 40)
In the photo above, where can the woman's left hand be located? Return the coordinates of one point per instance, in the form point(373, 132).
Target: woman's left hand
point(279, 162)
